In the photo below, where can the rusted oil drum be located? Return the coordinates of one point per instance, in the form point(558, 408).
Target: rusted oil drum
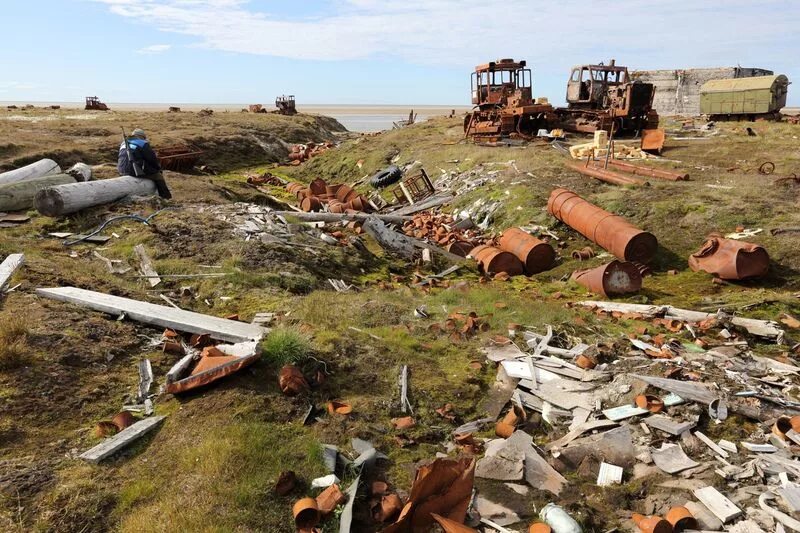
point(296, 156)
point(462, 248)
point(310, 204)
point(611, 279)
point(536, 256)
point(612, 232)
point(294, 188)
point(303, 193)
point(318, 187)
point(331, 190)
point(493, 260)
point(356, 203)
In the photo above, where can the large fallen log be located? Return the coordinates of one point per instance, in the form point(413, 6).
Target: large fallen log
point(340, 217)
point(73, 197)
point(19, 195)
point(43, 167)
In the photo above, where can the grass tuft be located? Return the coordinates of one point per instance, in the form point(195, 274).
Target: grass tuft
point(13, 343)
point(286, 345)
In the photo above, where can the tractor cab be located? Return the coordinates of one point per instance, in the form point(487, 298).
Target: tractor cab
point(589, 85)
point(501, 83)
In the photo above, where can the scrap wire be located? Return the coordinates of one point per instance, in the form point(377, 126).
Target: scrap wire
point(145, 221)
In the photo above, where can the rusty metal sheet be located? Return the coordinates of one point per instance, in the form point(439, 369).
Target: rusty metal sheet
point(612, 232)
point(730, 259)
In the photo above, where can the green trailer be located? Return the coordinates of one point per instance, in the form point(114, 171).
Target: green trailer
point(744, 98)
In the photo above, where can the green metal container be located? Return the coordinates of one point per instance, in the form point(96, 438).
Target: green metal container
point(760, 95)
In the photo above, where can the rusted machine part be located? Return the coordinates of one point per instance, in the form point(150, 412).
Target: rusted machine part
point(536, 256)
point(766, 168)
point(493, 260)
point(606, 175)
point(583, 254)
point(790, 178)
point(643, 269)
point(646, 171)
point(462, 248)
point(310, 203)
point(611, 232)
point(730, 259)
point(178, 157)
point(611, 279)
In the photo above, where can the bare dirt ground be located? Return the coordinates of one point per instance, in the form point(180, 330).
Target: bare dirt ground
point(213, 463)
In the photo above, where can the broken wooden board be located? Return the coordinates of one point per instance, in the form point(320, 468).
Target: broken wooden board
point(791, 497)
point(578, 431)
point(627, 411)
point(94, 239)
point(10, 265)
point(435, 200)
point(147, 265)
point(157, 315)
point(672, 459)
point(759, 328)
point(711, 444)
point(668, 425)
point(719, 505)
point(14, 218)
point(113, 444)
point(689, 391)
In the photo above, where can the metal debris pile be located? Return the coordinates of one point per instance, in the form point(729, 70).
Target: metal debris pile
point(300, 153)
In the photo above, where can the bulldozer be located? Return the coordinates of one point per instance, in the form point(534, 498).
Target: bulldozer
point(603, 97)
point(504, 106)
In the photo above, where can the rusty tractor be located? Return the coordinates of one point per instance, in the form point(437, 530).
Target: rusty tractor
point(602, 97)
point(285, 105)
point(504, 106)
point(94, 103)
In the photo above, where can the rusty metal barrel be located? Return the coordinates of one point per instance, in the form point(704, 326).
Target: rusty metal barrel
point(335, 206)
point(310, 203)
point(294, 188)
point(493, 260)
point(462, 248)
point(536, 256)
point(611, 279)
point(612, 232)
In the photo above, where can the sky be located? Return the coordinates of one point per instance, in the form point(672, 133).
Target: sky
point(366, 51)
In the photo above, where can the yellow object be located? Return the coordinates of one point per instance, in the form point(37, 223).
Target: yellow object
point(600, 138)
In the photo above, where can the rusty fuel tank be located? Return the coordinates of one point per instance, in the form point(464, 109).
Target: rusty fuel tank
point(493, 260)
point(612, 232)
point(536, 256)
point(611, 279)
point(730, 259)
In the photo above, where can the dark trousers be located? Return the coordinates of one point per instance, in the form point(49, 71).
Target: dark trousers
point(161, 184)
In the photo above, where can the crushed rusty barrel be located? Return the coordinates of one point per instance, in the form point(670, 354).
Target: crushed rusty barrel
point(335, 206)
point(493, 261)
point(358, 203)
point(536, 256)
point(462, 248)
point(345, 193)
point(331, 190)
point(318, 187)
point(294, 188)
point(730, 259)
point(296, 156)
point(611, 279)
point(310, 203)
point(611, 232)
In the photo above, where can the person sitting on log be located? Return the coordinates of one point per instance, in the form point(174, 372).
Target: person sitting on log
point(142, 163)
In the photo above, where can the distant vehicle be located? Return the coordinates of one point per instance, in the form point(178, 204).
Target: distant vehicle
point(94, 103)
point(601, 96)
point(286, 105)
point(504, 106)
point(744, 98)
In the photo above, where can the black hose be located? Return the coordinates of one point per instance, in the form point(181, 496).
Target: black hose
point(145, 221)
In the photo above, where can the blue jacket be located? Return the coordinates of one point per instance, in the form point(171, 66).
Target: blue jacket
point(142, 153)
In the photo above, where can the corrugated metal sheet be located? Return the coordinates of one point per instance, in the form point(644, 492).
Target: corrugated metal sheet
point(742, 84)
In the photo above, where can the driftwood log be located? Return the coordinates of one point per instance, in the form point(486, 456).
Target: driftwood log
point(73, 197)
point(19, 195)
point(43, 167)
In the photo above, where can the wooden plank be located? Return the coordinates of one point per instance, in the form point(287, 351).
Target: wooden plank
point(791, 497)
point(668, 425)
point(711, 444)
point(10, 265)
point(147, 265)
point(719, 505)
point(113, 444)
point(433, 201)
point(157, 315)
point(671, 458)
point(690, 391)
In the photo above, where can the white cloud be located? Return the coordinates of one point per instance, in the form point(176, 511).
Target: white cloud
point(649, 33)
point(154, 49)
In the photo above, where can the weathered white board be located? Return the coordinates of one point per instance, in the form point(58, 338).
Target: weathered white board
point(722, 507)
point(9, 266)
point(113, 444)
point(157, 315)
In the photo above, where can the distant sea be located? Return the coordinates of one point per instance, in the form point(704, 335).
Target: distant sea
point(360, 118)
